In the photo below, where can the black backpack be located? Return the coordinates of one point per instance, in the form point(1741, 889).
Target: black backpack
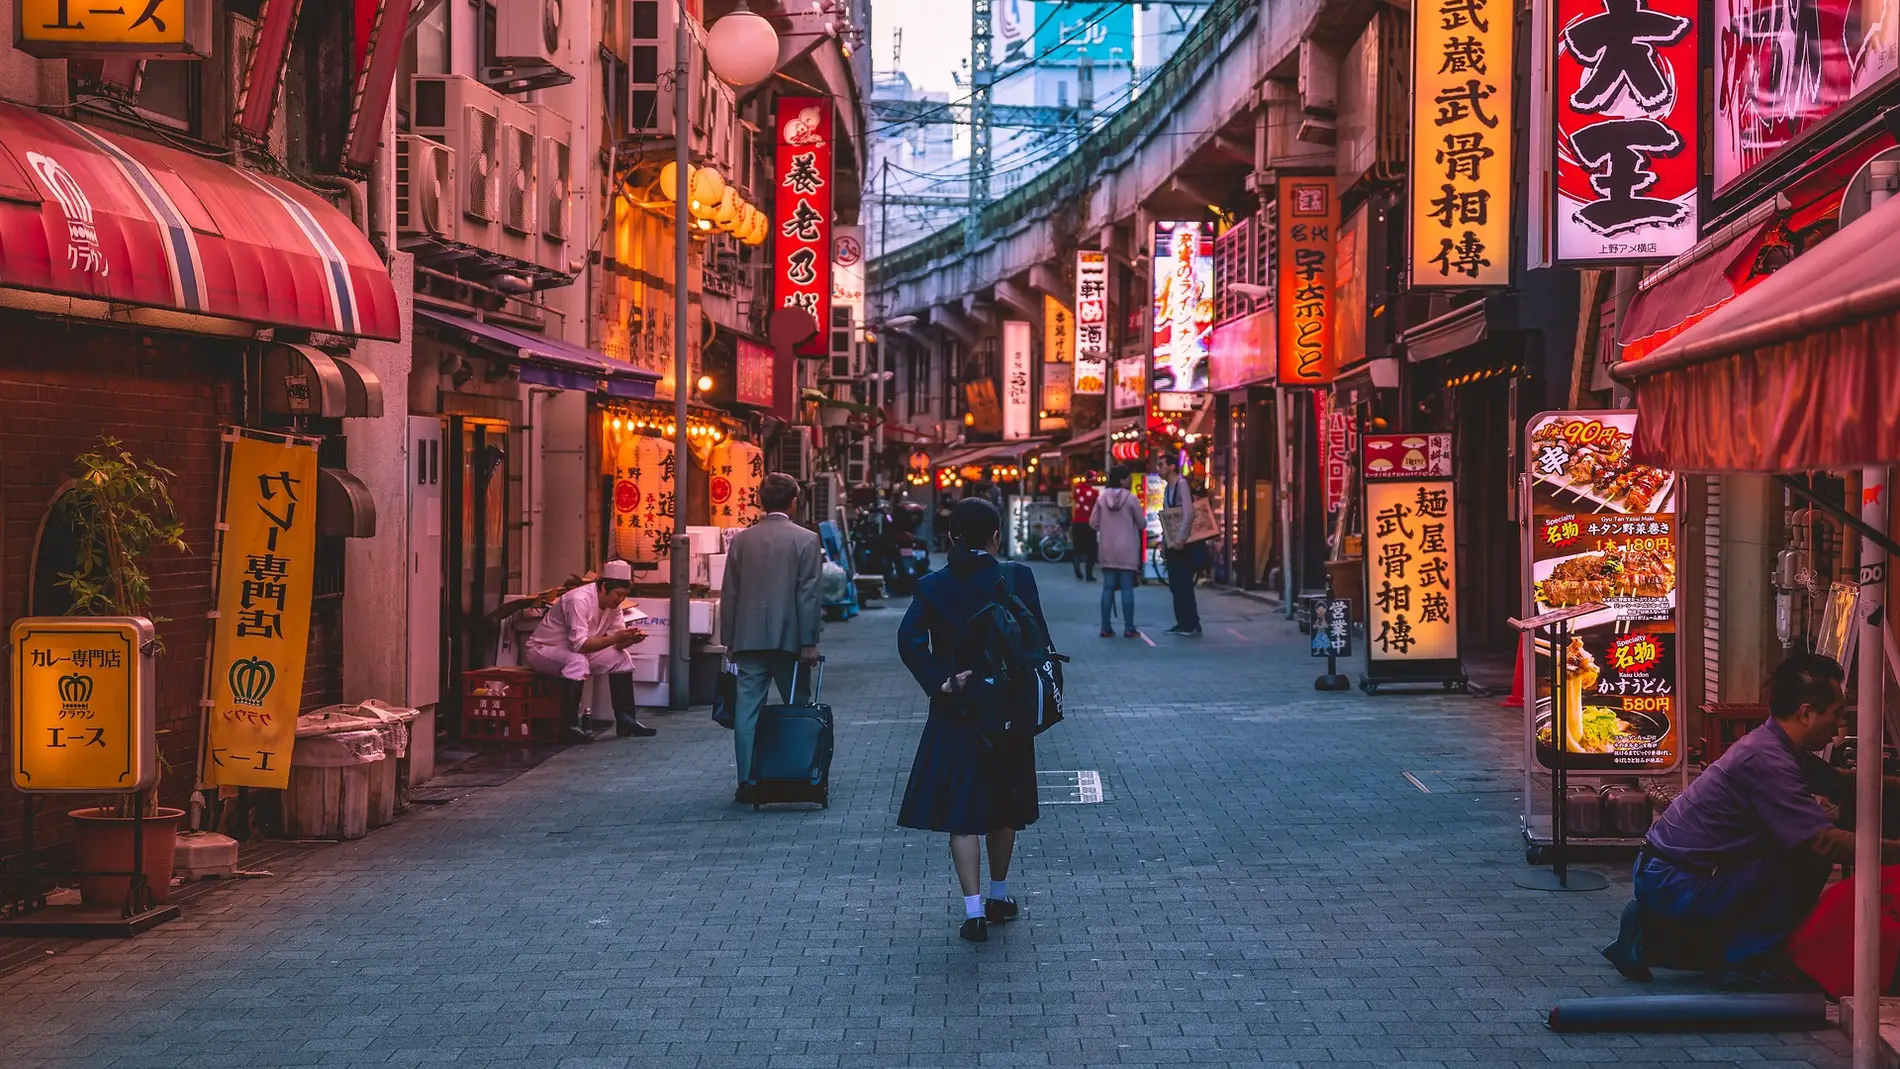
point(1017, 665)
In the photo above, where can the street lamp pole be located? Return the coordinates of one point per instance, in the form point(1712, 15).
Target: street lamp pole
point(680, 561)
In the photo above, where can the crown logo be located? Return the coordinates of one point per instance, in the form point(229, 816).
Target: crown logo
point(75, 689)
point(251, 679)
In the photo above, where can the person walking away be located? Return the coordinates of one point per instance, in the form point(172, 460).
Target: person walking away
point(1118, 523)
point(770, 617)
point(963, 783)
point(1176, 552)
point(1083, 548)
point(581, 635)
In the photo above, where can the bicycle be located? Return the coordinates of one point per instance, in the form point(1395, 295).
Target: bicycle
point(1054, 546)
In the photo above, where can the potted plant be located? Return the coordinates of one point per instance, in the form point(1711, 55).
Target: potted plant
point(121, 512)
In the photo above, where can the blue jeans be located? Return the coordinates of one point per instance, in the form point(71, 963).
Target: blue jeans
point(1747, 910)
point(1122, 579)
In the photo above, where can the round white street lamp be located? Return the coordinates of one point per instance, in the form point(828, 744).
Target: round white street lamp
point(742, 48)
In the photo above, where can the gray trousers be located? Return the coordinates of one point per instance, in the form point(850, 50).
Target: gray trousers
point(759, 671)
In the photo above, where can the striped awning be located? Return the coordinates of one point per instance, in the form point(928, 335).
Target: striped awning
point(108, 218)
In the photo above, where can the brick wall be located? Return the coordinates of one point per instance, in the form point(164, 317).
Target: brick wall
point(61, 386)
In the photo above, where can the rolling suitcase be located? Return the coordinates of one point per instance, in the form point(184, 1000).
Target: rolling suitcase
point(791, 752)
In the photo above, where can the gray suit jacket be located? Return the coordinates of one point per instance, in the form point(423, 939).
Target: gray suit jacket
point(770, 599)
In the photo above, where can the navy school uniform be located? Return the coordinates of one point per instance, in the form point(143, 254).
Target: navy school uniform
point(959, 782)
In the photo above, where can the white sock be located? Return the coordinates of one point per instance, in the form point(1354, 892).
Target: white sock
point(999, 890)
point(972, 906)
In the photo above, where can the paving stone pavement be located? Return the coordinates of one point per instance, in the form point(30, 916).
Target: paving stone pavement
point(1260, 886)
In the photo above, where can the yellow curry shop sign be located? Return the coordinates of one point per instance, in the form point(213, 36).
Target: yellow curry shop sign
point(82, 705)
point(130, 29)
point(266, 572)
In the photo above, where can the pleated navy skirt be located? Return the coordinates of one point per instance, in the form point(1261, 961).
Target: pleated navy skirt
point(962, 786)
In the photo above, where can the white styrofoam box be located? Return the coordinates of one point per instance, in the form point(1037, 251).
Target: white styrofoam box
point(707, 539)
point(702, 615)
point(656, 608)
point(655, 695)
point(649, 668)
point(716, 571)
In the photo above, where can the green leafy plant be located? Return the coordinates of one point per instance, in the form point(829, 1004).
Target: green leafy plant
point(122, 512)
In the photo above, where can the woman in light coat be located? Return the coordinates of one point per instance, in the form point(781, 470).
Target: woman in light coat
point(1119, 526)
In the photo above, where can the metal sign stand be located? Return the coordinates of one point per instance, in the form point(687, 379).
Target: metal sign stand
point(1559, 876)
point(1333, 679)
point(25, 912)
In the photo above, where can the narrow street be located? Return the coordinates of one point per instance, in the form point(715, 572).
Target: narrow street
point(1260, 885)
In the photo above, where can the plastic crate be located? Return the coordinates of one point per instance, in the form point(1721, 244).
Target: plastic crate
point(509, 705)
point(1723, 726)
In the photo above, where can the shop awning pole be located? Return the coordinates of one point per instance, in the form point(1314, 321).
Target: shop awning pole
point(1870, 751)
point(680, 559)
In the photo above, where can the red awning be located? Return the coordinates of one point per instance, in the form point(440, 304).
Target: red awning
point(1689, 288)
point(110, 218)
point(1799, 373)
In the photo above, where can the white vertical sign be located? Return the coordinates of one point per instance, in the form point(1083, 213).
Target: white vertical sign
point(1018, 387)
point(1091, 323)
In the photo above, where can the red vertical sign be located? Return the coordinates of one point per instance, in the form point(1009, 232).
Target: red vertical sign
point(802, 238)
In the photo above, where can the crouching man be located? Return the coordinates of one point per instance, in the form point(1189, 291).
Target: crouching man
point(1737, 862)
point(581, 635)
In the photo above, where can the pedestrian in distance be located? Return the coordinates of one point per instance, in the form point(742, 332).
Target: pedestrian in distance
point(963, 782)
point(583, 634)
point(770, 617)
point(1180, 557)
point(1083, 548)
point(1118, 525)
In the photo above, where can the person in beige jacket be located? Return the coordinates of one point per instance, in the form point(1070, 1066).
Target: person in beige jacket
point(1119, 525)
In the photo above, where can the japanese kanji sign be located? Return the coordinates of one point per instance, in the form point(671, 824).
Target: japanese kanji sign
point(1091, 323)
point(1602, 531)
point(1460, 200)
point(128, 29)
point(1308, 221)
point(1627, 130)
point(1183, 305)
point(1058, 332)
point(643, 501)
point(1332, 628)
point(734, 470)
point(1130, 382)
point(1019, 397)
point(266, 579)
point(82, 705)
point(1407, 456)
point(1338, 445)
point(801, 241)
point(1411, 556)
point(752, 378)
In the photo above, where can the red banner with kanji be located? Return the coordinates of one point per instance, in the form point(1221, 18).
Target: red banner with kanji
point(801, 256)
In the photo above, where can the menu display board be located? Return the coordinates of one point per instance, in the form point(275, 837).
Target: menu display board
point(1603, 530)
point(1411, 555)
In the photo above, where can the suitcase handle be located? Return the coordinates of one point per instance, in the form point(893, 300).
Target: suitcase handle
point(817, 683)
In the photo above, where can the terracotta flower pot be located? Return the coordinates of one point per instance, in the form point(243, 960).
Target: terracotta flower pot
point(104, 843)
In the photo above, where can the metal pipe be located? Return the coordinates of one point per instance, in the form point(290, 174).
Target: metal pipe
point(1869, 732)
point(680, 561)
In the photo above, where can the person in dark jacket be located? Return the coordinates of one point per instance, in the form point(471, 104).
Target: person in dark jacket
point(961, 783)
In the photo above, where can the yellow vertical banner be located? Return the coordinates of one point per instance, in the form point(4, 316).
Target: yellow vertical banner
point(266, 575)
point(1460, 175)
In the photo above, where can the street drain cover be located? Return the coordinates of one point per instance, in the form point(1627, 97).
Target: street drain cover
point(1069, 788)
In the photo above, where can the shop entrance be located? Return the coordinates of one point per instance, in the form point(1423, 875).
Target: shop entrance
point(481, 556)
point(1483, 440)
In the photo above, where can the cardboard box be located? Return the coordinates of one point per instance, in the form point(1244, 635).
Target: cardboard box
point(716, 571)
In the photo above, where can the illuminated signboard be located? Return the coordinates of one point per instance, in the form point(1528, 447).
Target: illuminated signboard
point(1308, 219)
point(1462, 121)
point(1627, 130)
point(1183, 306)
point(1411, 550)
point(1091, 323)
point(1018, 398)
point(132, 29)
point(802, 192)
point(83, 704)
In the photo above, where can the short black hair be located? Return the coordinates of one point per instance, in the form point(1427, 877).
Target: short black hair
point(1118, 476)
point(1169, 456)
point(972, 523)
point(605, 584)
point(777, 491)
point(1804, 679)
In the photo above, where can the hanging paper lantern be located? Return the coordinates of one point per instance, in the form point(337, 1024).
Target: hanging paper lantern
point(624, 449)
point(707, 189)
point(669, 181)
point(734, 473)
point(643, 504)
point(728, 209)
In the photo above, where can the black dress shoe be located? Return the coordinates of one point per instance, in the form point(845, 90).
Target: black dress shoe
point(1000, 910)
point(743, 794)
point(976, 930)
point(577, 735)
point(1627, 952)
point(636, 728)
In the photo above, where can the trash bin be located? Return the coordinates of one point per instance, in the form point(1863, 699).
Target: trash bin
point(331, 774)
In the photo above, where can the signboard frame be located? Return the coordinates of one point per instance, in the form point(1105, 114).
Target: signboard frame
point(1432, 474)
point(132, 639)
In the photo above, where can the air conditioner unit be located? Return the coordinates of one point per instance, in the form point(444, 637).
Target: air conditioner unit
point(425, 188)
point(557, 180)
point(531, 30)
point(520, 153)
point(857, 463)
point(466, 115)
point(792, 452)
point(843, 366)
point(827, 500)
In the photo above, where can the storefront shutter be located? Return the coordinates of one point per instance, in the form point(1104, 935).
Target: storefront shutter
point(1711, 588)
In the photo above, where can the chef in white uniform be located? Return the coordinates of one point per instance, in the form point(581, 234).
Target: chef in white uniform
point(584, 633)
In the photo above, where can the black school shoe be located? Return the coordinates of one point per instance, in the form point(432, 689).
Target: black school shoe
point(1627, 952)
point(1000, 910)
point(975, 930)
point(636, 728)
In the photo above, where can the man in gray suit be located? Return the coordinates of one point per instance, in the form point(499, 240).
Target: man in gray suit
point(769, 611)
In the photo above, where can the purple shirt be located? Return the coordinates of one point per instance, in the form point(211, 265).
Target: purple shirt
point(1753, 802)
